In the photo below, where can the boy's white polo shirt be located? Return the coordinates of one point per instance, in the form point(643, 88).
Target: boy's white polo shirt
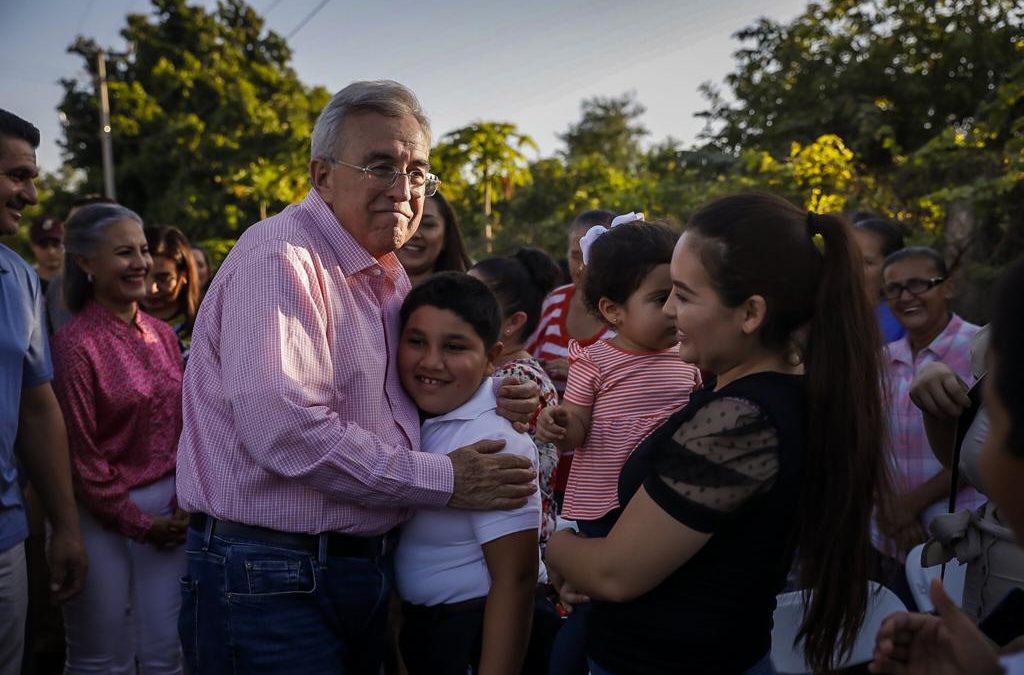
point(439, 557)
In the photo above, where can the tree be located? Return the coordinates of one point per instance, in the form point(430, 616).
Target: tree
point(489, 157)
point(210, 124)
point(883, 75)
point(609, 127)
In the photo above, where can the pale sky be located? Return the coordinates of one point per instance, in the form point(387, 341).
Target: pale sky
point(529, 62)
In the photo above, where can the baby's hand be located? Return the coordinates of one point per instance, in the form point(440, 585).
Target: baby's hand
point(551, 424)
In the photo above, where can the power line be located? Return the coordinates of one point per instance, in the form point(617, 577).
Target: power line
point(306, 20)
point(81, 22)
point(270, 9)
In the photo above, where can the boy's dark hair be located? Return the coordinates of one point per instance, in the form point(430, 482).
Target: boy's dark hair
point(13, 126)
point(521, 281)
point(467, 297)
point(915, 252)
point(620, 260)
point(589, 219)
point(1007, 337)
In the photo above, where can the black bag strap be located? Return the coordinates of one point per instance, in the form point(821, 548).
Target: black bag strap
point(963, 424)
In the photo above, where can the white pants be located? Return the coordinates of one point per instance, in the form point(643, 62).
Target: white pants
point(13, 608)
point(128, 611)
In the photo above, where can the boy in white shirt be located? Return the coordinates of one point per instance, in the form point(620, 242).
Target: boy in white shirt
point(467, 578)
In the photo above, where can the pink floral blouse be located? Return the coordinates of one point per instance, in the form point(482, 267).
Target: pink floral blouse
point(119, 387)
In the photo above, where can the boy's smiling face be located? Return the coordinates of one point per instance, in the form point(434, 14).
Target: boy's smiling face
point(442, 359)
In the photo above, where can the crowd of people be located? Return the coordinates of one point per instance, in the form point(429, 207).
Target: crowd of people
point(352, 449)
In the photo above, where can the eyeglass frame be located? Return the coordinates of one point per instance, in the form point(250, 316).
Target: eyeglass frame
point(931, 283)
point(368, 172)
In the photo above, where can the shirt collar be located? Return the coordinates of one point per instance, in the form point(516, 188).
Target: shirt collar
point(483, 401)
point(352, 257)
point(900, 350)
point(95, 312)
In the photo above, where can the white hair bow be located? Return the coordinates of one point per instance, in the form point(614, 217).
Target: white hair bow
point(594, 233)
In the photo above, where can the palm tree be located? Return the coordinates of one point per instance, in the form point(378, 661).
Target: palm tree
point(488, 155)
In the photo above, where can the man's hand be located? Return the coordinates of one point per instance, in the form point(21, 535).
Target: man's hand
point(517, 401)
point(920, 644)
point(68, 564)
point(557, 369)
point(939, 392)
point(552, 424)
point(488, 482)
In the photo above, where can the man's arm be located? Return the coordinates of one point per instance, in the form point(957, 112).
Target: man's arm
point(43, 449)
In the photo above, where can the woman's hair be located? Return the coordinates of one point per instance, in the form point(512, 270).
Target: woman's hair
point(521, 281)
point(918, 252)
point(807, 269)
point(887, 233)
point(169, 242)
point(83, 232)
point(465, 296)
point(621, 258)
point(589, 219)
point(1006, 341)
point(453, 256)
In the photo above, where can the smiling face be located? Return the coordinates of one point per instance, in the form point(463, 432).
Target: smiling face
point(164, 285)
point(710, 334)
point(18, 172)
point(419, 255)
point(381, 220)
point(442, 360)
point(923, 315)
point(640, 322)
point(120, 265)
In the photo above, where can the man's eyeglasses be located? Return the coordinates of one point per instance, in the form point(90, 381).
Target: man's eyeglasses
point(913, 286)
point(385, 176)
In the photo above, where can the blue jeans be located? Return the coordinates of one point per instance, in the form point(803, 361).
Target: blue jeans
point(250, 607)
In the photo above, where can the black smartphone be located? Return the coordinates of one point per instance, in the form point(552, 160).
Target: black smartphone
point(1006, 620)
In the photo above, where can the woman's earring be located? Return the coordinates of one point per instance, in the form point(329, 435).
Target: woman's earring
point(88, 277)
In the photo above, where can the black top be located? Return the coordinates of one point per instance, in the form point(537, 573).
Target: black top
point(727, 464)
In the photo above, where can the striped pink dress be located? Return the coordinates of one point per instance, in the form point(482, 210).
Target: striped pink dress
point(629, 394)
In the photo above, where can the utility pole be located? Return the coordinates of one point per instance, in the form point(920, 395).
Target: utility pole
point(105, 145)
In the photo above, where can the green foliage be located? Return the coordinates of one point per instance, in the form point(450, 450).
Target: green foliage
point(210, 124)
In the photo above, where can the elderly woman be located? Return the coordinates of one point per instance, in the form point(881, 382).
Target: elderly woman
point(950, 642)
point(918, 288)
point(437, 245)
point(118, 380)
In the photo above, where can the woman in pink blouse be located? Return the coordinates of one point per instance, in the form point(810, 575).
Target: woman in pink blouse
point(118, 379)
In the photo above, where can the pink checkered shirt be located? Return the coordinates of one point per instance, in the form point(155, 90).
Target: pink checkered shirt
point(911, 454)
point(294, 416)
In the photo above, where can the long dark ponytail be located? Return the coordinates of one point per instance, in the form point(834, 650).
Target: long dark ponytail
point(809, 271)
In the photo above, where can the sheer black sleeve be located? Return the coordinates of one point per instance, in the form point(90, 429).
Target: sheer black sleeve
point(715, 463)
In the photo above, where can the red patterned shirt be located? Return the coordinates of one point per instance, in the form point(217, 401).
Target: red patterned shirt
point(119, 387)
point(294, 416)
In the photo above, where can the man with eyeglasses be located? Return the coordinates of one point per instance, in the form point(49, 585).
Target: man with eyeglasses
point(299, 454)
point(917, 286)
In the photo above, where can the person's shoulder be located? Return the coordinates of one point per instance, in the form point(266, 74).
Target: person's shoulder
point(12, 263)
point(157, 326)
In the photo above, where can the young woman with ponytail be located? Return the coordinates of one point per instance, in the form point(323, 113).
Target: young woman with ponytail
point(780, 455)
